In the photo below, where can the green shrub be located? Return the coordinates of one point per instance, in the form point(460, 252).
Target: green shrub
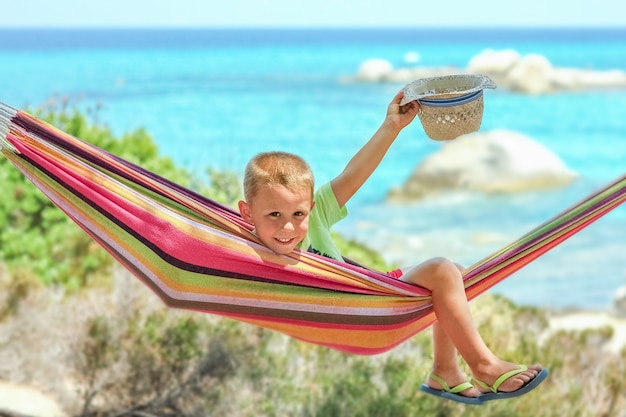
point(37, 236)
point(160, 364)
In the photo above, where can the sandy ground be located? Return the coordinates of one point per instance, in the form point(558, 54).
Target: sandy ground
point(573, 321)
point(27, 401)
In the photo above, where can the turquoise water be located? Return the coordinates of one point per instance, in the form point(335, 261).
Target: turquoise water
point(215, 98)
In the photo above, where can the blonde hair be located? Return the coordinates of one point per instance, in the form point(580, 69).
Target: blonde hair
point(277, 168)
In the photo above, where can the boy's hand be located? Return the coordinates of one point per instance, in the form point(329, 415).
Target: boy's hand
point(401, 116)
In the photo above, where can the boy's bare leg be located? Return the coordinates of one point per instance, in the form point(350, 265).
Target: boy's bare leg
point(456, 330)
point(446, 363)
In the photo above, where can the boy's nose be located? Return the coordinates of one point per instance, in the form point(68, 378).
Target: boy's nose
point(289, 226)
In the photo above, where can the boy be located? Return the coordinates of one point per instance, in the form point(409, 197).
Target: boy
point(281, 204)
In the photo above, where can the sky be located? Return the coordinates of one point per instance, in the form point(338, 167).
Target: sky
point(312, 13)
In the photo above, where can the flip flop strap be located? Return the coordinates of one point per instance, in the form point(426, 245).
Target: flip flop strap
point(444, 385)
point(501, 379)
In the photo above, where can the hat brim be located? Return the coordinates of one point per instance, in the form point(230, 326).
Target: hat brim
point(447, 87)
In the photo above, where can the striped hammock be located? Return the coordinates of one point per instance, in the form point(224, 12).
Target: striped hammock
point(197, 254)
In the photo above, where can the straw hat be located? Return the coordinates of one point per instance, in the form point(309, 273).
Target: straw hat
point(450, 105)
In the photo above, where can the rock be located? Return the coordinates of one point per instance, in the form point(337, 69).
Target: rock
point(381, 71)
point(493, 62)
point(529, 74)
point(499, 161)
point(374, 70)
point(578, 79)
point(532, 75)
point(400, 75)
point(27, 401)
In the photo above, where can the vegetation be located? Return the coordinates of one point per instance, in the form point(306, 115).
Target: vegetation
point(41, 240)
point(115, 350)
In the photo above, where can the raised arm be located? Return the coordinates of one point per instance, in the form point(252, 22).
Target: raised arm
point(367, 159)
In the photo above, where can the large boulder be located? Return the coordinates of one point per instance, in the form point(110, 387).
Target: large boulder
point(499, 161)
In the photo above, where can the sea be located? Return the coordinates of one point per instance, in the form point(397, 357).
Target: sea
point(212, 98)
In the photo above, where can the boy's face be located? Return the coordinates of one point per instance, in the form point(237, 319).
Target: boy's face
point(279, 215)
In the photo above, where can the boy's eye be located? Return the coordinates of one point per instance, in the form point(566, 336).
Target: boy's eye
point(298, 214)
point(274, 214)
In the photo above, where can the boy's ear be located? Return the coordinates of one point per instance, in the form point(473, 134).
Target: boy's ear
point(244, 210)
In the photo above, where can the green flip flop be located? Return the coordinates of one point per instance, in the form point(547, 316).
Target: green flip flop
point(494, 394)
point(450, 393)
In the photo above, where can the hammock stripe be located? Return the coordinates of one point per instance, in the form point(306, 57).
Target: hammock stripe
point(198, 254)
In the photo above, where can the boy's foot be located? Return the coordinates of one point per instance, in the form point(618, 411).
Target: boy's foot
point(512, 384)
point(464, 392)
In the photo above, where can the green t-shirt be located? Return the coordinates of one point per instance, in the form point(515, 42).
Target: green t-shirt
point(324, 215)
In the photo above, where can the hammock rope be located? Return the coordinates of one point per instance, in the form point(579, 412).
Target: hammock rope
point(198, 254)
